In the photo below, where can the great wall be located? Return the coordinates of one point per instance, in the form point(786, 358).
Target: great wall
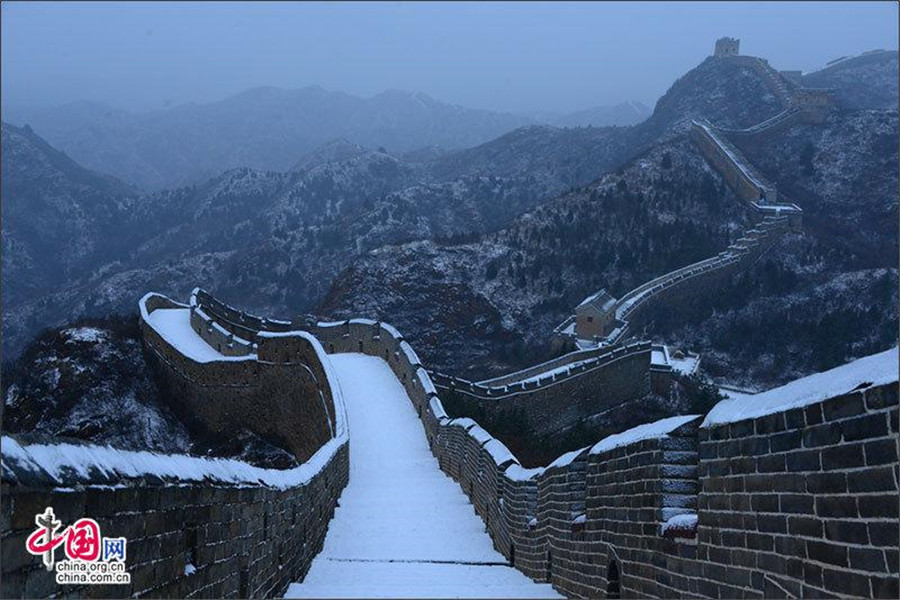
point(788, 493)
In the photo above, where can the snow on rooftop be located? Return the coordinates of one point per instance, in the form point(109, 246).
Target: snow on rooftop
point(647, 431)
point(876, 369)
point(601, 300)
point(63, 461)
point(174, 325)
point(687, 365)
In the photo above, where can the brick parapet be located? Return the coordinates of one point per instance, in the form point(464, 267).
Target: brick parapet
point(282, 391)
point(243, 540)
point(629, 491)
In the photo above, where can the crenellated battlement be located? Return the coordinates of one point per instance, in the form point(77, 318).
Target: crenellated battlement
point(633, 310)
point(274, 383)
point(665, 509)
point(786, 493)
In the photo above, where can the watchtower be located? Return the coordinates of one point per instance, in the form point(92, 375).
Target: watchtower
point(595, 316)
point(727, 46)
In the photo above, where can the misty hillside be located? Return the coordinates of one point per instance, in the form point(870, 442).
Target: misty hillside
point(478, 253)
point(270, 128)
point(262, 128)
point(274, 240)
point(865, 81)
point(50, 203)
point(833, 280)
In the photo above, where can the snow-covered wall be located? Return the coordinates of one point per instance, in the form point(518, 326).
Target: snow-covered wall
point(195, 527)
point(799, 502)
point(571, 388)
point(282, 391)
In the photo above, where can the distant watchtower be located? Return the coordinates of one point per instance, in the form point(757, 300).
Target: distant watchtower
point(727, 46)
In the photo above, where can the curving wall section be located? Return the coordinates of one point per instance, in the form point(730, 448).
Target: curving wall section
point(676, 290)
point(578, 384)
point(274, 384)
point(763, 501)
point(195, 527)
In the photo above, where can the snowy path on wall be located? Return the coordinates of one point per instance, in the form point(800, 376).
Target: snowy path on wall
point(403, 528)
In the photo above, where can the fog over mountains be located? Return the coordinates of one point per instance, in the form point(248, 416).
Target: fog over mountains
point(269, 128)
point(475, 233)
point(476, 252)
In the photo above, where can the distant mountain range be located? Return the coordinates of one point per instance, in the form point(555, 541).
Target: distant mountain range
point(269, 128)
point(865, 81)
point(630, 112)
point(477, 253)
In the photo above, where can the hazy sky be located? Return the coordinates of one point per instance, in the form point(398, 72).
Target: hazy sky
point(506, 56)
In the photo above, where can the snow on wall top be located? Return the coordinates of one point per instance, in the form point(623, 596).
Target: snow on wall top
point(174, 326)
point(437, 409)
point(392, 331)
point(411, 355)
point(517, 472)
point(567, 458)
point(499, 452)
point(877, 369)
point(647, 431)
point(480, 435)
point(463, 422)
point(426, 382)
point(70, 464)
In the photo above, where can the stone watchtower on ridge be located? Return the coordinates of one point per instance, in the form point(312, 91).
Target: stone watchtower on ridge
point(727, 46)
point(595, 316)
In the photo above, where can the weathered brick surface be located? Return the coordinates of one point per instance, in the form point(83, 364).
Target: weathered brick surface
point(283, 396)
point(614, 377)
point(243, 540)
point(801, 503)
point(262, 537)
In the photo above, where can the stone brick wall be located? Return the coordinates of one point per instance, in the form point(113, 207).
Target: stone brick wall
point(682, 291)
point(236, 321)
point(281, 392)
point(801, 503)
point(739, 174)
point(808, 497)
point(781, 87)
point(614, 377)
point(245, 541)
point(245, 535)
point(539, 369)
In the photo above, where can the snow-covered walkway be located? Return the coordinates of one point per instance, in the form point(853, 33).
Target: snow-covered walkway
point(403, 528)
